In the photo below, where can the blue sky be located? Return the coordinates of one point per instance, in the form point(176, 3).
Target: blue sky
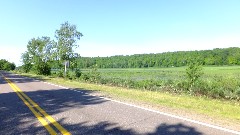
point(122, 27)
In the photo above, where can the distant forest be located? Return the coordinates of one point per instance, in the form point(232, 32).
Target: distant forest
point(226, 56)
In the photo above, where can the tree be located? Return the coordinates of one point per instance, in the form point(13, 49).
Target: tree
point(67, 37)
point(40, 49)
point(26, 62)
point(6, 65)
point(38, 55)
point(9, 66)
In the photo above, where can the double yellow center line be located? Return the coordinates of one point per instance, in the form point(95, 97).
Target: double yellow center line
point(45, 119)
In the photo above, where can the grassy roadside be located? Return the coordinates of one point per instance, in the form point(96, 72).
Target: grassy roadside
point(228, 112)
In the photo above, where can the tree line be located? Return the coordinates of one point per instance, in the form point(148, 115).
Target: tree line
point(218, 56)
point(6, 65)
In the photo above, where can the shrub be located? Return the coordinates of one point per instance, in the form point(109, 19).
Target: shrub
point(26, 68)
point(70, 75)
point(78, 73)
point(59, 73)
point(85, 77)
point(42, 68)
point(94, 75)
point(193, 72)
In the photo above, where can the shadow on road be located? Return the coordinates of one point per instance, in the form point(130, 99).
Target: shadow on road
point(16, 118)
point(17, 78)
point(176, 129)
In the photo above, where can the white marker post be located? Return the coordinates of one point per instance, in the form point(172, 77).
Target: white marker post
point(66, 64)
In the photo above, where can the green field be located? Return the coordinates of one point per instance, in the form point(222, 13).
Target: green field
point(216, 82)
point(166, 73)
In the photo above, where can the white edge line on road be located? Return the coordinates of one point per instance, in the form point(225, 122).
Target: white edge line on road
point(178, 117)
point(162, 113)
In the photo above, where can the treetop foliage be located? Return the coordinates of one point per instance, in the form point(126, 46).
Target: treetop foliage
point(67, 37)
point(40, 49)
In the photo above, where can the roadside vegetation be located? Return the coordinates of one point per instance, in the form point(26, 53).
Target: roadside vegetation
point(6, 65)
point(194, 79)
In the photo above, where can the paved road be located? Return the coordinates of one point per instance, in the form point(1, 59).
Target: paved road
point(79, 112)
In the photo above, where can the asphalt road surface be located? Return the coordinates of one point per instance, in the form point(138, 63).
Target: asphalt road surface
point(29, 106)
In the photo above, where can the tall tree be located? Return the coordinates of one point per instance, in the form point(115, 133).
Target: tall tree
point(67, 37)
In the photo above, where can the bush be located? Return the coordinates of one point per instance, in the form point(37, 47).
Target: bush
point(94, 75)
point(193, 72)
point(42, 68)
point(6, 65)
point(26, 68)
point(59, 73)
point(85, 77)
point(78, 73)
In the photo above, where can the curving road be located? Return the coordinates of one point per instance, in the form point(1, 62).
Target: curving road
point(29, 106)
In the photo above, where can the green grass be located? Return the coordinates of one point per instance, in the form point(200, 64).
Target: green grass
point(217, 109)
point(167, 73)
point(174, 73)
point(142, 73)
